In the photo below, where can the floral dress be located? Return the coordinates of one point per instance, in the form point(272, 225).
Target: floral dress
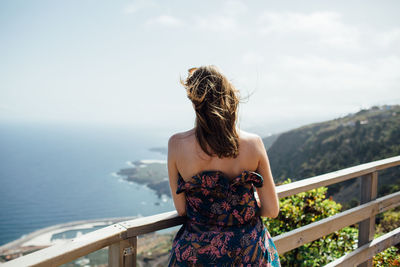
point(223, 226)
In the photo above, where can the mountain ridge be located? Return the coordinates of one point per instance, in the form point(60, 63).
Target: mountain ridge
point(318, 148)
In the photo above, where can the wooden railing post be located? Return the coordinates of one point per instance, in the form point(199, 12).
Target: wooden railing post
point(123, 253)
point(366, 228)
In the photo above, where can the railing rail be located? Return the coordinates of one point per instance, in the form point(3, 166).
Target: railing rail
point(121, 238)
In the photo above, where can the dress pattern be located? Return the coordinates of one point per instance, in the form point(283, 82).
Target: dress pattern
point(223, 226)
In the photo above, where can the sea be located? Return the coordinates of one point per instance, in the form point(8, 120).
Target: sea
point(55, 173)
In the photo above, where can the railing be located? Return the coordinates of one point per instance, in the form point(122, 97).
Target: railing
point(121, 238)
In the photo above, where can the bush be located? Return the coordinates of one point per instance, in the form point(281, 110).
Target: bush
point(388, 221)
point(388, 257)
point(305, 208)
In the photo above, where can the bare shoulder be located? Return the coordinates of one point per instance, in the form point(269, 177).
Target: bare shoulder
point(179, 139)
point(251, 139)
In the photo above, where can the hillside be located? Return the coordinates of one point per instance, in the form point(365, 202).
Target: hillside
point(319, 148)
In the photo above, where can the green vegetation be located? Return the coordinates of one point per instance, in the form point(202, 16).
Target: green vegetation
point(305, 208)
point(269, 140)
point(387, 222)
point(319, 148)
point(389, 257)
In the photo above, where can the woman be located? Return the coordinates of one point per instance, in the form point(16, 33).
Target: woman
point(212, 170)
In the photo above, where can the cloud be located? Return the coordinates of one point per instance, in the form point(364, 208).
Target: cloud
point(138, 5)
point(234, 8)
point(165, 20)
point(216, 23)
point(251, 57)
point(310, 78)
point(131, 8)
point(324, 27)
point(388, 38)
point(226, 21)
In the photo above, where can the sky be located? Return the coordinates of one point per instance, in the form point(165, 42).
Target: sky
point(119, 63)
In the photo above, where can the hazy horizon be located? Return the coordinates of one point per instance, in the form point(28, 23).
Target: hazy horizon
point(160, 133)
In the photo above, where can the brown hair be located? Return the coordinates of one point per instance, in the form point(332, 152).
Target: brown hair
point(215, 102)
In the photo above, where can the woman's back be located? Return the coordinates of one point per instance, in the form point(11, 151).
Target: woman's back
point(192, 160)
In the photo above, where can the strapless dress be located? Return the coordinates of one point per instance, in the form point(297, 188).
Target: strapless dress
point(223, 226)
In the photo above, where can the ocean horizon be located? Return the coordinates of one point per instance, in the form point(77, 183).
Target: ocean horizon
point(52, 174)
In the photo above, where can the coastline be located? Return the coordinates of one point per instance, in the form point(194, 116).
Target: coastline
point(39, 237)
point(149, 172)
point(44, 237)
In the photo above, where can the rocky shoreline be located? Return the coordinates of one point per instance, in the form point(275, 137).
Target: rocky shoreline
point(152, 173)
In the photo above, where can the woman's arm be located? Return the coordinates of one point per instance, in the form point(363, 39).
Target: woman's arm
point(267, 193)
point(179, 199)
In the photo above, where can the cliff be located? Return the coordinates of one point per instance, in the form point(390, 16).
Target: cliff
point(358, 138)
